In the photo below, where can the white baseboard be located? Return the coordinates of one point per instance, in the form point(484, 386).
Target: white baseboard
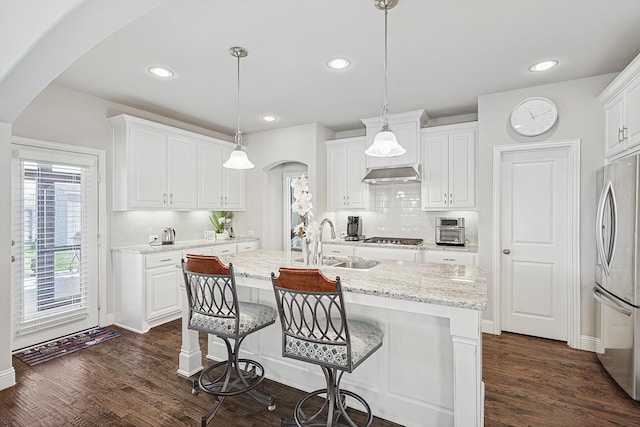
point(589, 343)
point(7, 378)
point(488, 328)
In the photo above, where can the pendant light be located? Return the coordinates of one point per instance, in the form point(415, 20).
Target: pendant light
point(385, 143)
point(238, 158)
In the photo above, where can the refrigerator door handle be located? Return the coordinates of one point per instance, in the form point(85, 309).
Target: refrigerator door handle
point(604, 299)
point(606, 254)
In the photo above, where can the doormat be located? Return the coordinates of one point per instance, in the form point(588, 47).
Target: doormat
point(51, 350)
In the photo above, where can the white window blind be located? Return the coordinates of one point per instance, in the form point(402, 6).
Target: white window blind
point(55, 210)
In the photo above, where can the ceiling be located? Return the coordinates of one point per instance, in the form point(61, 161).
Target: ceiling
point(443, 54)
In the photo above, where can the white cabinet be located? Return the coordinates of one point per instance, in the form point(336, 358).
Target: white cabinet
point(160, 167)
point(152, 167)
point(345, 170)
point(162, 293)
point(406, 127)
point(449, 164)
point(622, 112)
point(451, 257)
point(219, 188)
point(148, 289)
point(396, 254)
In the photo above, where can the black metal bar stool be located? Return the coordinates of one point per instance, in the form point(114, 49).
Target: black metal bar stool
point(315, 329)
point(214, 308)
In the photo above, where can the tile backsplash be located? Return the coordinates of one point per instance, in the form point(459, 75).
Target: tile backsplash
point(396, 213)
point(134, 227)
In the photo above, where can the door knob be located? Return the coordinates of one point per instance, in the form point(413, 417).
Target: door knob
point(506, 251)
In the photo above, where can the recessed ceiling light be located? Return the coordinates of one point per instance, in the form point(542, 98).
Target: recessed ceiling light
point(338, 63)
point(161, 72)
point(269, 118)
point(543, 66)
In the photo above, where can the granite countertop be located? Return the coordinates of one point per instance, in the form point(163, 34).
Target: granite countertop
point(421, 247)
point(178, 246)
point(451, 285)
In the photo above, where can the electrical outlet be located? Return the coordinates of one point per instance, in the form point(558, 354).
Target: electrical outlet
point(153, 238)
point(251, 233)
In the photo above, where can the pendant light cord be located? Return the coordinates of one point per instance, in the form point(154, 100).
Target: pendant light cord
point(238, 131)
point(385, 106)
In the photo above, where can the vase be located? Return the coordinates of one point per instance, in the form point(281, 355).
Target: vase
point(222, 236)
point(309, 252)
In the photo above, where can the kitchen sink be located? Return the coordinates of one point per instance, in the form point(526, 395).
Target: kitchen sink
point(357, 265)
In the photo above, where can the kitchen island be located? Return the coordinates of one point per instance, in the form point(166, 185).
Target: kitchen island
point(429, 369)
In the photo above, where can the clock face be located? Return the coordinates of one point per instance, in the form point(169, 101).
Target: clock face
point(534, 116)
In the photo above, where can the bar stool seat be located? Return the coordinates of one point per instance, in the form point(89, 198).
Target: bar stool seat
point(315, 329)
point(214, 309)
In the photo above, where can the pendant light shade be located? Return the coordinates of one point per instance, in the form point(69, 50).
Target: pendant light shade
point(385, 143)
point(238, 158)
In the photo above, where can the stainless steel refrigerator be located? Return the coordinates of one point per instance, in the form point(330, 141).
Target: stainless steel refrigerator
point(617, 286)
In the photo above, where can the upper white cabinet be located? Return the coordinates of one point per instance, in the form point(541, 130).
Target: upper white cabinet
point(219, 188)
point(161, 167)
point(406, 126)
point(345, 170)
point(448, 166)
point(622, 112)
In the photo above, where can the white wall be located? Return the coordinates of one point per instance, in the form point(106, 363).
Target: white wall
point(580, 116)
point(302, 144)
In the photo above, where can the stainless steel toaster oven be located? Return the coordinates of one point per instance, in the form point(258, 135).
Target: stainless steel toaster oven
point(450, 231)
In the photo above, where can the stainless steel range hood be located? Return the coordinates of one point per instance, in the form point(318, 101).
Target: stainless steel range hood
point(393, 174)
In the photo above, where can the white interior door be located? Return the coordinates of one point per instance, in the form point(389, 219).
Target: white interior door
point(534, 230)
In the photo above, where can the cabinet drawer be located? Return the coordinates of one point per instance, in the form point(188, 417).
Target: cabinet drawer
point(248, 246)
point(450, 257)
point(226, 249)
point(336, 250)
point(162, 259)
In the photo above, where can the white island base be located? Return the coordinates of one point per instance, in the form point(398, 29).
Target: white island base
point(427, 373)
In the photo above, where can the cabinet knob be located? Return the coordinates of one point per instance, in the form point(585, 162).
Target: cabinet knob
point(506, 251)
point(164, 198)
point(171, 198)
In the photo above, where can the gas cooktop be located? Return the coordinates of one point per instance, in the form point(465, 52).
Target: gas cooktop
point(393, 241)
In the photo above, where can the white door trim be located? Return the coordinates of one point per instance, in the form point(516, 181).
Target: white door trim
point(572, 147)
point(104, 318)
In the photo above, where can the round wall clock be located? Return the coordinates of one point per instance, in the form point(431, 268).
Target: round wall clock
point(534, 116)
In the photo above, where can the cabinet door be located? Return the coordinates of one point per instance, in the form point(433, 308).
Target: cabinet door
point(462, 167)
point(210, 176)
point(613, 117)
point(633, 113)
point(337, 166)
point(163, 295)
point(147, 168)
point(357, 191)
point(435, 176)
point(183, 173)
point(233, 185)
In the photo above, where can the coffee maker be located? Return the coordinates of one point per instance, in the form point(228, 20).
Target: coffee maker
point(354, 228)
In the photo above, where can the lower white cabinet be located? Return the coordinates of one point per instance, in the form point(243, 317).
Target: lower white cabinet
point(451, 257)
point(147, 286)
point(396, 254)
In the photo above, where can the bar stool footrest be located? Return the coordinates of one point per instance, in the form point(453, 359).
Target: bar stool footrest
point(320, 416)
point(233, 380)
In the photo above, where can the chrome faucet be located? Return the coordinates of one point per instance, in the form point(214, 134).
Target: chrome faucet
point(333, 236)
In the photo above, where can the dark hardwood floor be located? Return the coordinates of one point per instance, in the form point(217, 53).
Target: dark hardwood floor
point(131, 381)
point(537, 382)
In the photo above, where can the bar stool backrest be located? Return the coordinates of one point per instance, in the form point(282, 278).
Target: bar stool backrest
point(211, 288)
point(313, 318)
